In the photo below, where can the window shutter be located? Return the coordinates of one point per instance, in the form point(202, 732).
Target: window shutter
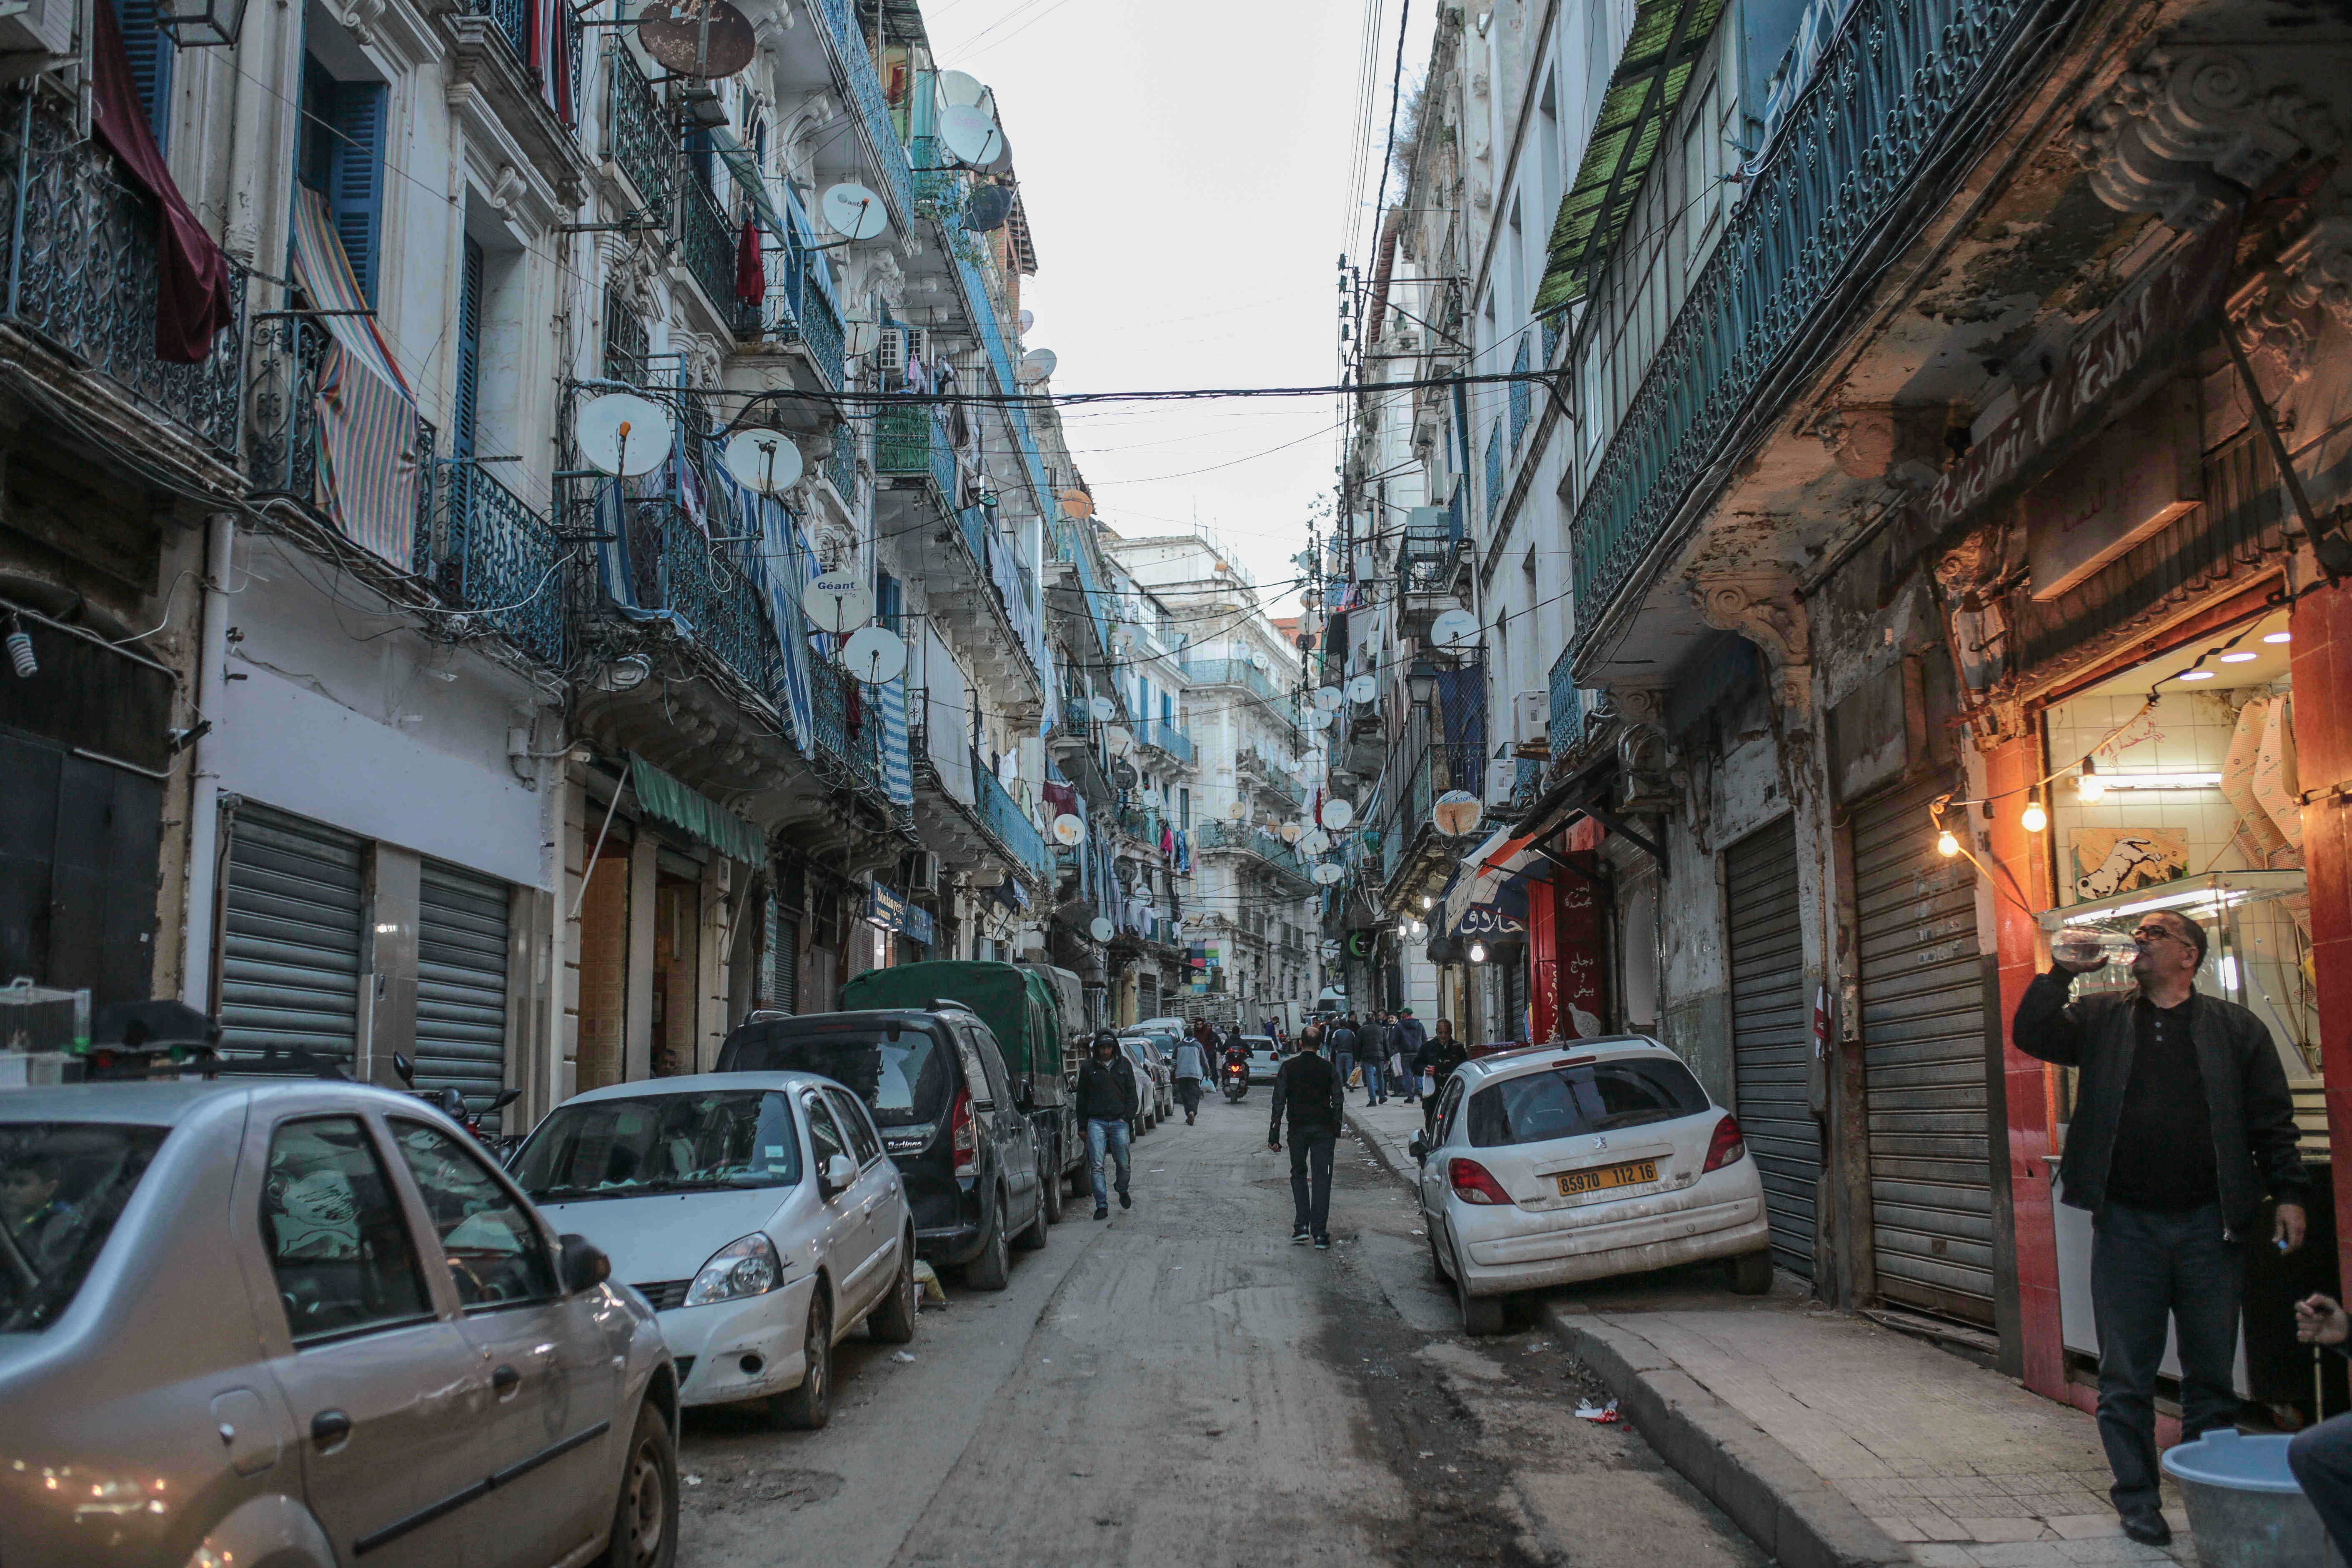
point(150, 49)
point(889, 600)
point(355, 177)
point(470, 354)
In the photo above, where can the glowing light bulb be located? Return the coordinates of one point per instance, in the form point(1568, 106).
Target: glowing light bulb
point(2197, 675)
point(1477, 953)
point(2088, 785)
point(2034, 819)
point(2278, 636)
point(1945, 845)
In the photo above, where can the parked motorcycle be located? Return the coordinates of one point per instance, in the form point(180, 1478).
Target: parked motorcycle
point(452, 1104)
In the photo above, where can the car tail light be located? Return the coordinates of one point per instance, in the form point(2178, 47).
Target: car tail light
point(964, 1135)
point(1726, 1147)
point(1474, 1183)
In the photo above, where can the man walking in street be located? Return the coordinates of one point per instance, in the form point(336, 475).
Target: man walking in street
point(1191, 1069)
point(1107, 1104)
point(1438, 1059)
point(1343, 1047)
point(1311, 1090)
point(1408, 1038)
point(1372, 1054)
point(2183, 1124)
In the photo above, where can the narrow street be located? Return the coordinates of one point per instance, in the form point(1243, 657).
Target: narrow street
point(1179, 1384)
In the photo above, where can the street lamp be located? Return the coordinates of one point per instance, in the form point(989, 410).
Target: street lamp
point(1421, 684)
point(201, 23)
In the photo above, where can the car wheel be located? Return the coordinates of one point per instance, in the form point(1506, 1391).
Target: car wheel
point(809, 1406)
point(1034, 1237)
point(1052, 1187)
point(993, 1269)
point(893, 1323)
point(644, 1518)
point(1437, 1259)
point(1751, 1273)
point(1481, 1315)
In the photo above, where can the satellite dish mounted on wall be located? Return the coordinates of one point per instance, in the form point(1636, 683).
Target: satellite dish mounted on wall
point(958, 89)
point(837, 602)
point(1238, 811)
point(860, 336)
point(621, 433)
point(1028, 319)
point(1105, 709)
point(875, 656)
point(704, 38)
point(989, 205)
point(1363, 689)
point(1328, 873)
point(1076, 502)
point(1329, 698)
point(1314, 841)
point(853, 212)
point(968, 133)
point(1069, 831)
point(1036, 366)
point(1257, 658)
point(1102, 929)
point(1338, 813)
point(1457, 812)
point(1454, 628)
point(1317, 718)
point(764, 462)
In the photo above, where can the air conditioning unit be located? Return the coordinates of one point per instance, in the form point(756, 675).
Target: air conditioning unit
point(923, 872)
point(1534, 713)
point(44, 27)
point(890, 350)
point(1502, 781)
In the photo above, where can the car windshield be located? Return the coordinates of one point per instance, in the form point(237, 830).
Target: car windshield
point(902, 1076)
point(62, 1187)
point(716, 1141)
point(1593, 1097)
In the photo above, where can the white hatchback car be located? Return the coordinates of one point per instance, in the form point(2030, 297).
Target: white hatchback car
point(757, 1212)
point(1554, 1164)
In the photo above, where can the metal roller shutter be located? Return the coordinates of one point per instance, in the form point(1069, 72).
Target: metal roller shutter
point(290, 943)
point(1922, 1032)
point(1768, 1035)
point(461, 981)
point(781, 991)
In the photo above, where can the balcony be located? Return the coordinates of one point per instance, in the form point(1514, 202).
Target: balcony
point(1009, 824)
point(282, 429)
point(705, 245)
point(1239, 672)
point(841, 463)
point(873, 111)
point(1266, 848)
point(636, 128)
point(510, 89)
point(793, 310)
point(489, 552)
point(81, 256)
point(513, 18)
point(848, 734)
point(1900, 81)
point(1167, 740)
point(1270, 780)
point(978, 588)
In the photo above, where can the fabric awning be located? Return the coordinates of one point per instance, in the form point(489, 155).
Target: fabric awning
point(1485, 872)
point(672, 801)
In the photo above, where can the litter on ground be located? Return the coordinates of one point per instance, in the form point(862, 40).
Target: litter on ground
point(1599, 1414)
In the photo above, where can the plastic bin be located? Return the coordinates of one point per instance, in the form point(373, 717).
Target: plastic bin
point(2245, 1506)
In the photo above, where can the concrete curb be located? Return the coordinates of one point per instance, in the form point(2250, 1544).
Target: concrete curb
point(1785, 1506)
point(1371, 1139)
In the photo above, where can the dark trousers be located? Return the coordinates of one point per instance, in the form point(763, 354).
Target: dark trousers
point(1310, 1202)
point(2321, 1458)
point(1188, 1095)
point(2147, 1268)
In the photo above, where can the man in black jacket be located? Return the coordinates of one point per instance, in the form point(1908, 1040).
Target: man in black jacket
point(1437, 1061)
point(1407, 1038)
point(1372, 1056)
point(1107, 1104)
point(2183, 1124)
point(1309, 1088)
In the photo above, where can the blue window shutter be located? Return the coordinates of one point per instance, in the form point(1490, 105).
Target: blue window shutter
point(470, 354)
point(889, 599)
point(150, 49)
point(355, 177)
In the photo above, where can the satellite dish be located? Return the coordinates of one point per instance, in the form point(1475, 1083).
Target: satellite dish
point(1363, 689)
point(1457, 812)
point(1326, 873)
point(1100, 929)
point(968, 133)
point(1454, 628)
point(1105, 709)
point(960, 88)
point(695, 37)
point(765, 462)
point(875, 656)
point(1028, 320)
point(837, 602)
point(1329, 698)
point(1003, 163)
point(1314, 841)
point(1036, 366)
point(1238, 811)
point(1338, 813)
point(1069, 831)
point(1317, 718)
point(853, 212)
point(621, 433)
point(989, 205)
point(1154, 799)
point(1116, 738)
point(1123, 774)
point(1076, 502)
point(1259, 658)
point(1290, 832)
point(859, 336)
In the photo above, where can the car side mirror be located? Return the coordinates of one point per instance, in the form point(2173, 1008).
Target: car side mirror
point(839, 1175)
point(1418, 1151)
point(584, 1264)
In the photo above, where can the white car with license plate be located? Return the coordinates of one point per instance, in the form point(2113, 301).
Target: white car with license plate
point(1556, 1163)
point(755, 1211)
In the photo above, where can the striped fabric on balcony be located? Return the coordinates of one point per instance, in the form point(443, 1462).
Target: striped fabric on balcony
point(367, 471)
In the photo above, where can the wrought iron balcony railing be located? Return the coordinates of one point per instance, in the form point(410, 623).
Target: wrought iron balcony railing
point(1567, 717)
point(819, 325)
point(1893, 89)
point(1011, 825)
point(1232, 672)
point(706, 242)
point(848, 732)
point(873, 109)
point(703, 584)
point(489, 552)
point(636, 129)
point(1256, 841)
point(81, 244)
point(282, 423)
point(514, 20)
point(1425, 561)
point(915, 441)
point(1163, 737)
point(841, 467)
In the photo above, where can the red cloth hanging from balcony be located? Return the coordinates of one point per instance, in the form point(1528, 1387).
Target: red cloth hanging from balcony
point(751, 271)
point(192, 298)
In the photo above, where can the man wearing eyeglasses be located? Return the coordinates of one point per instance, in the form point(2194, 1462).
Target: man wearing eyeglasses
point(2182, 1125)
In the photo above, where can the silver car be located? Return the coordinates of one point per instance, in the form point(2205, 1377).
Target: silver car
point(308, 1323)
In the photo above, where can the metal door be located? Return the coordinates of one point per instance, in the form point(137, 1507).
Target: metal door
point(1922, 1032)
point(290, 946)
point(461, 981)
point(1768, 1035)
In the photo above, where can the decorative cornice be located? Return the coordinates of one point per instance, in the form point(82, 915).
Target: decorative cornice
point(2281, 311)
point(2185, 134)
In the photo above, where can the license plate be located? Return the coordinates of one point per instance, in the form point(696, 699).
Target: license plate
point(1632, 1173)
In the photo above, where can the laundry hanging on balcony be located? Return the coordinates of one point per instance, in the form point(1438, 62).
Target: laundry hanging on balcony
point(368, 468)
point(780, 565)
point(637, 597)
point(897, 773)
point(194, 296)
point(549, 46)
point(750, 266)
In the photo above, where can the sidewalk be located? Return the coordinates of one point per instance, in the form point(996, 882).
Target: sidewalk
point(1829, 1438)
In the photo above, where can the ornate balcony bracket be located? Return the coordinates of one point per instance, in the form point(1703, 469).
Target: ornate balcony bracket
point(2280, 311)
point(2187, 133)
point(1763, 607)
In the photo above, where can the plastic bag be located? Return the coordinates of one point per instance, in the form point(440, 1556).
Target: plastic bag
point(1355, 1078)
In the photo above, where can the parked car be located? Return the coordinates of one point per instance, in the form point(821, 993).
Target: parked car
point(1157, 1091)
point(1265, 1058)
point(936, 1084)
point(1555, 1163)
point(307, 1324)
point(757, 1214)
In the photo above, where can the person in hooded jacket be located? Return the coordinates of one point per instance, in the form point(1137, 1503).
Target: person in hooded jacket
point(1106, 1106)
point(1406, 1038)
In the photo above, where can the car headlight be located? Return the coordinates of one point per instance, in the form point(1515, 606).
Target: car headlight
point(745, 1268)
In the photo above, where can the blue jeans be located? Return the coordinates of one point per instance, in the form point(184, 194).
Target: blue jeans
point(2147, 1268)
point(1373, 1091)
point(1113, 1133)
point(1343, 1064)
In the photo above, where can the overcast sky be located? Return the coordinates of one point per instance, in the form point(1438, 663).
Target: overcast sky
point(1186, 172)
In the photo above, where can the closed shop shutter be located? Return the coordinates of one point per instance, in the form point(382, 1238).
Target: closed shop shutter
point(1922, 1032)
point(461, 981)
point(783, 966)
point(291, 944)
point(1768, 1035)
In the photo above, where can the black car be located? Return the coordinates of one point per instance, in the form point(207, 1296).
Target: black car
point(944, 1105)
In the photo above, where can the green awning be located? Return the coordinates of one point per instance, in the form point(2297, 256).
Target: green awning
point(1647, 87)
point(750, 180)
point(690, 811)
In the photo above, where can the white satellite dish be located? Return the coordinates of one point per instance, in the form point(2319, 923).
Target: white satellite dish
point(1290, 832)
point(1329, 698)
point(1153, 799)
point(875, 656)
point(860, 336)
point(1238, 811)
point(1028, 320)
point(1105, 709)
point(1454, 628)
point(621, 433)
point(1100, 929)
point(970, 134)
point(1363, 689)
point(1003, 163)
point(1314, 841)
point(853, 212)
point(1326, 873)
point(1117, 739)
point(1259, 658)
point(1069, 830)
point(960, 88)
point(837, 602)
point(1317, 718)
point(765, 462)
point(1036, 366)
point(1338, 813)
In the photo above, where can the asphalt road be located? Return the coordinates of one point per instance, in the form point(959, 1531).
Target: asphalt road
point(1179, 1385)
